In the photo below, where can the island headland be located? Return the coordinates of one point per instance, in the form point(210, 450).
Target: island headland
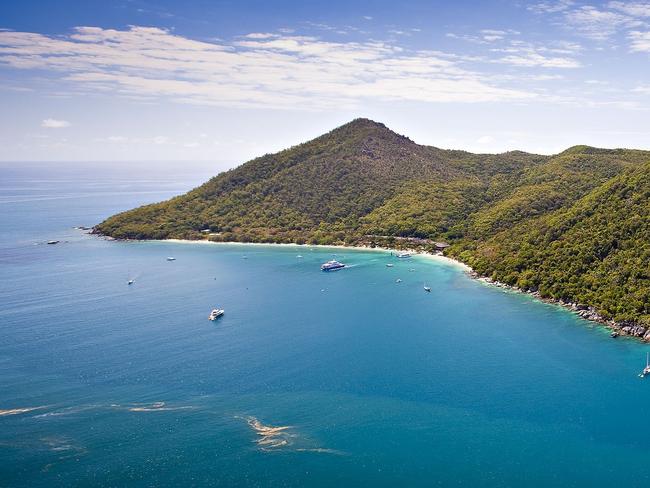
point(570, 228)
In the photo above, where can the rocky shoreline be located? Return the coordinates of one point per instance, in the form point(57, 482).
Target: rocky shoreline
point(622, 328)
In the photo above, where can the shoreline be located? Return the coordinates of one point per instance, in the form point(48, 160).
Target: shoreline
point(424, 254)
point(585, 312)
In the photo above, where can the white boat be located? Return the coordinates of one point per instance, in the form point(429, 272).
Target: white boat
point(398, 280)
point(216, 313)
point(299, 256)
point(170, 258)
point(427, 288)
point(131, 282)
point(389, 265)
point(53, 242)
point(404, 255)
point(646, 370)
point(332, 265)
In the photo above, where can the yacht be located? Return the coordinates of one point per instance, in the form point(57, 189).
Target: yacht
point(170, 258)
point(404, 254)
point(216, 313)
point(332, 265)
point(646, 370)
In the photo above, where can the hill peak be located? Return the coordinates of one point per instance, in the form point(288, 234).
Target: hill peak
point(369, 127)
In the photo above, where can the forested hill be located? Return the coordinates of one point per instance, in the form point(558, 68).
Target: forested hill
point(573, 226)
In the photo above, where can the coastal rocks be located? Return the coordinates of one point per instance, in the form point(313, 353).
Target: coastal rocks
point(624, 328)
point(637, 331)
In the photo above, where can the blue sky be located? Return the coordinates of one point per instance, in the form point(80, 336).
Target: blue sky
point(225, 81)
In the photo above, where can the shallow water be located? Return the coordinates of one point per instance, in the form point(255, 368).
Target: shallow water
point(309, 378)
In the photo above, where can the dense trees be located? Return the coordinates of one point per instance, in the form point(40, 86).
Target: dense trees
point(572, 226)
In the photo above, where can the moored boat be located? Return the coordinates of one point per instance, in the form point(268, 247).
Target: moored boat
point(216, 313)
point(646, 370)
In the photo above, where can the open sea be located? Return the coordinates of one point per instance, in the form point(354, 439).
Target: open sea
point(309, 379)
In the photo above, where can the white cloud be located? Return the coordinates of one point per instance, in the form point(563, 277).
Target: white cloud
point(485, 140)
point(550, 7)
point(532, 58)
point(191, 145)
point(260, 35)
point(117, 139)
point(491, 35)
point(640, 41)
point(633, 9)
point(598, 24)
point(160, 140)
point(54, 124)
point(523, 54)
point(258, 70)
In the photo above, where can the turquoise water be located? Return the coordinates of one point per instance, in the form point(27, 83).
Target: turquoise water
point(376, 382)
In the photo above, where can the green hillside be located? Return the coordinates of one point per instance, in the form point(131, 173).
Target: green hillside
point(572, 226)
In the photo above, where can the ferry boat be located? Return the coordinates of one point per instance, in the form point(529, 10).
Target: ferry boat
point(216, 313)
point(332, 265)
point(646, 370)
point(404, 254)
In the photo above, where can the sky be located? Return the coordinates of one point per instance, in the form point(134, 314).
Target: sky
point(226, 81)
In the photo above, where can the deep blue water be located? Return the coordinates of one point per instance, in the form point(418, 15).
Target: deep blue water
point(377, 382)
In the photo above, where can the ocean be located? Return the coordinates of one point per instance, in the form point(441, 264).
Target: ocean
point(347, 378)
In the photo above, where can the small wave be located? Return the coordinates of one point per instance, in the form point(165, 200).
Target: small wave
point(66, 411)
point(151, 407)
point(322, 450)
point(18, 411)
